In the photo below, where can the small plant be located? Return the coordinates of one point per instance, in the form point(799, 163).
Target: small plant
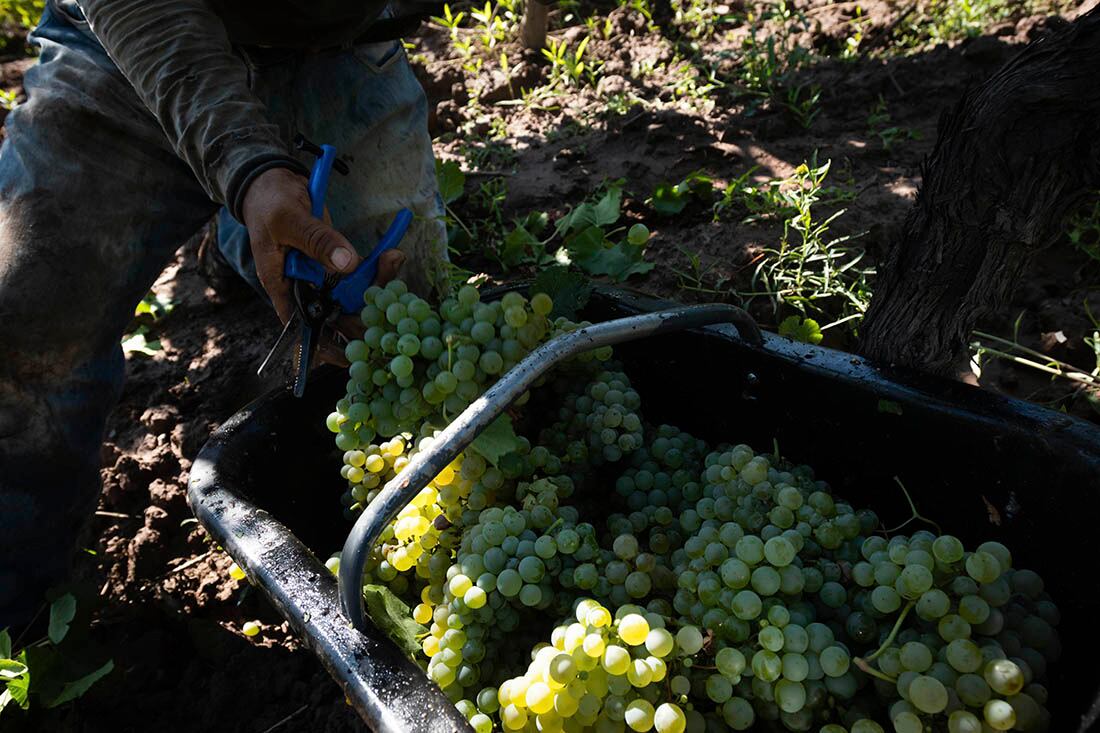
point(23, 13)
point(805, 330)
point(878, 123)
point(1083, 227)
point(568, 67)
point(802, 103)
point(671, 199)
point(808, 271)
point(46, 671)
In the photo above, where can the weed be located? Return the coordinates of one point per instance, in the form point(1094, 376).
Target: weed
point(52, 670)
point(568, 67)
point(802, 104)
point(671, 199)
point(878, 123)
point(1083, 227)
point(24, 13)
point(808, 271)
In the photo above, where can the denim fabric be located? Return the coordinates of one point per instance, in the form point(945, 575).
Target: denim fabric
point(94, 201)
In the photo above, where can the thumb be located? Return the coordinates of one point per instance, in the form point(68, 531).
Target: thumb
point(388, 266)
point(323, 243)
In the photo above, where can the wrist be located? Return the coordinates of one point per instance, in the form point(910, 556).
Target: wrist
point(238, 194)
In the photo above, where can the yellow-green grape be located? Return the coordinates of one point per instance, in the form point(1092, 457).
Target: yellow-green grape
point(659, 642)
point(250, 628)
point(1004, 677)
point(422, 613)
point(639, 715)
point(513, 717)
point(333, 564)
point(633, 629)
point(539, 698)
point(669, 718)
point(999, 715)
point(235, 572)
point(616, 660)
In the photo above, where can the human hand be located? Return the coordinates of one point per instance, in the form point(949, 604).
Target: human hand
point(278, 217)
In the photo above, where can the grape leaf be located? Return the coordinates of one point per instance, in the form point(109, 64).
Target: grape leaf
point(390, 614)
point(606, 211)
point(569, 290)
point(451, 179)
point(10, 668)
point(76, 688)
point(496, 440)
point(62, 612)
point(805, 330)
point(137, 343)
point(19, 689)
point(579, 218)
point(519, 246)
point(595, 254)
point(5, 644)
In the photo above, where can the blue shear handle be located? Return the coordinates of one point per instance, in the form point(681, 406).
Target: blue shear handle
point(298, 265)
point(349, 292)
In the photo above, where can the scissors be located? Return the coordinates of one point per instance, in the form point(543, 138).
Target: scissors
point(321, 297)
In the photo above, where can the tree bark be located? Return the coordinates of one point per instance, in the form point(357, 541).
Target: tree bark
point(1013, 158)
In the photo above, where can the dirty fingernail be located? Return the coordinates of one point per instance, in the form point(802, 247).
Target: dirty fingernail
point(341, 258)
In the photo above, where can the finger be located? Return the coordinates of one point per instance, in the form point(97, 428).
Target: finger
point(350, 326)
point(269, 269)
point(389, 264)
point(323, 243)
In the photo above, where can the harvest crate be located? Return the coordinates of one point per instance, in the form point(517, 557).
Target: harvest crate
point(266, 485)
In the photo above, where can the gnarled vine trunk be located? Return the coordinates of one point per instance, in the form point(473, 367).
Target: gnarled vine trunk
point(1012, 159)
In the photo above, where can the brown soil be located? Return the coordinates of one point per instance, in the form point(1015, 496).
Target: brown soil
point(169, 613)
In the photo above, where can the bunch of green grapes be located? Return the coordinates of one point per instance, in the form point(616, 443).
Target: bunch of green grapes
point(416, 365)
point(746, 595)
point(599, 672)
point(599, 423)
point(978, 638)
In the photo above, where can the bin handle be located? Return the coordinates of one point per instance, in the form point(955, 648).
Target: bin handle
point(465, 428)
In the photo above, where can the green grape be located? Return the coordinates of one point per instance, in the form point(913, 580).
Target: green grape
point(834, 661)
point(963, 721)
point(790, 695)
point(999, 715)
point(719, 688)
point(915, 657)
point(1004, 677)
point(738, 713)
point(907, 722)
point(928, 694)
point(983, 567)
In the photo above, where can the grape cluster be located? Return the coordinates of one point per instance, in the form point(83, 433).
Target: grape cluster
point(709, 589)
point(416, 366)
point(982, 637)
point(598, 424)
point(599, 671)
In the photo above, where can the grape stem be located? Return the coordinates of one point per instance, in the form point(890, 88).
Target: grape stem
point(866, 667)
point(913, 507)
point(893, 633)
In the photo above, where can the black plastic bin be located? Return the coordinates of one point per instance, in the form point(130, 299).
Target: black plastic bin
point(266, 486)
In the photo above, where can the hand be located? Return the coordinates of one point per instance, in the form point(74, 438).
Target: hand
point(277, 214)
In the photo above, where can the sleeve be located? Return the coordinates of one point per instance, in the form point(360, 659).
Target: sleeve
point(177, 56)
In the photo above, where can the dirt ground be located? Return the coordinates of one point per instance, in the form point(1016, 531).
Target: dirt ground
point(168, 611)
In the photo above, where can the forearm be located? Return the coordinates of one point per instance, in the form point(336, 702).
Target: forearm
point(177, 56)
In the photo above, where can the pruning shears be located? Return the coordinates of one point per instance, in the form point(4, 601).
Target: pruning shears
point(321, 297)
